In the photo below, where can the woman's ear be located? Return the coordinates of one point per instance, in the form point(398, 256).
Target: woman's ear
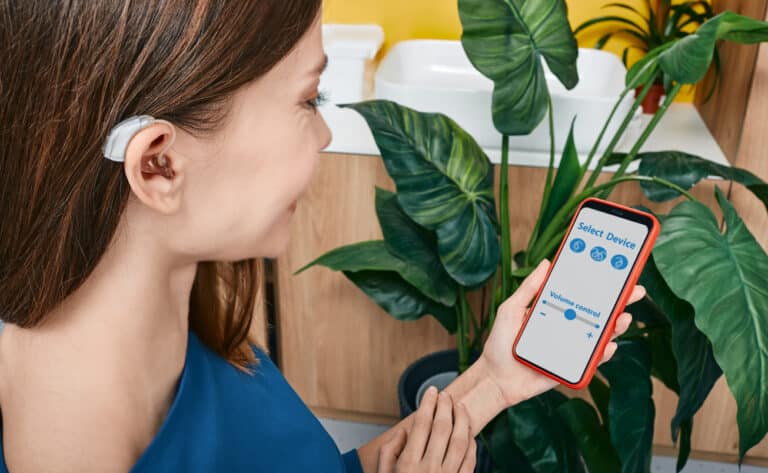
point(153, 169)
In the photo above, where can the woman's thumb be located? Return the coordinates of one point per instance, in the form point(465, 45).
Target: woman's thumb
point(529, 287)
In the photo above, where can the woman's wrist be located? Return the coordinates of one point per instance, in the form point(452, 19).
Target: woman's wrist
point(476, 389)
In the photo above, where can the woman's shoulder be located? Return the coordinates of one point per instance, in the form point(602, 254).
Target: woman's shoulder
point(245, 412)
point(209, 379)
point(213, 365)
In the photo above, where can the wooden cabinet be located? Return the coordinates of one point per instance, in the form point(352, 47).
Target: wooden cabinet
point(344, 355)
point(340, 352)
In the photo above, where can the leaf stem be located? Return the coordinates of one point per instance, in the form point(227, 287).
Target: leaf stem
point(551, 241)
point(646, 133)
point(617, 136)
point(547, 183)
point(506, 245)
point(492, 309)
point(593, 151)
point(463, 331)
point(605, 189)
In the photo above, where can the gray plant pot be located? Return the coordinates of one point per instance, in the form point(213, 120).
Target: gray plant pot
point(436, 369)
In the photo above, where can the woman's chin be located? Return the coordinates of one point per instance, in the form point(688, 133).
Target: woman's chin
point(277, 246)
point(276, 242)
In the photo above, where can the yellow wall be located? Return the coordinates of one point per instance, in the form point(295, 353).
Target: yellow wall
point(439, 19)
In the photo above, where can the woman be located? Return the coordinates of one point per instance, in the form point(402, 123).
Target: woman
point(127, 287)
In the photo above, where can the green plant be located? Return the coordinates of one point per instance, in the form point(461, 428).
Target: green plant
point(664, 22)
point(707, 309)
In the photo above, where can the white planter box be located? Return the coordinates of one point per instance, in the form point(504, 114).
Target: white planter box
point(437, 76)
point(350, 49)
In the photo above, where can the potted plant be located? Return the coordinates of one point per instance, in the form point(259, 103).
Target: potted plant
point(663, 22)
point(707, 306)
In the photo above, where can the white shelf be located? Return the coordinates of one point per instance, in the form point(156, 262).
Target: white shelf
point(681, 129)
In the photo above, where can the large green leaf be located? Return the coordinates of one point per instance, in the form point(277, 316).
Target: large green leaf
point(591, 436)
point(686, 170)
point(630, 406)
point(416, 246)
point(391, 282)
point(401, 300)
point(506, 455)
point(566, 180)
point(600, 394)
point(543, 436)
point(617, 158)
point(646, 69)
point(697, 370)
point(658, 334)
point(506, 41)
point(686, 428)
point(663, 341)
point(444, 183)
point(688, 59)
point(725, 278)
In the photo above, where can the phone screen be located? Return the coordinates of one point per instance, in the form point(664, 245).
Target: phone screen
point(582, 290)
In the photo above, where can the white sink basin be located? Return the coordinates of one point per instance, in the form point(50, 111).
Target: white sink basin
point(436, 76)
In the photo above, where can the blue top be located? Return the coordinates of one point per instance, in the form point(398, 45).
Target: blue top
point(224, 420)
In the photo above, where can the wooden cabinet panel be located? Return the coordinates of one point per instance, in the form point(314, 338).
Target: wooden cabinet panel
point(725, 110)
point(337, 348)
point(753, 150)
point(344, 355)
point(737, 112)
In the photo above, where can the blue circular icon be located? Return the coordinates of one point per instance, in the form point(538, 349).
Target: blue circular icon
point(598, 253)
point(578, 245)
point(619, 262)
point(570, 314)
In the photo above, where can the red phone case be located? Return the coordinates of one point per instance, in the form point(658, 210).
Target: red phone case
point(605, 337)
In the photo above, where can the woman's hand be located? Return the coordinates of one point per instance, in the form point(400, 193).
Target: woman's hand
point(491, 384)
point(440, 440)
point(516, 381)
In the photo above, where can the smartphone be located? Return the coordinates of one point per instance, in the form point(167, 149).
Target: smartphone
point(572, 317)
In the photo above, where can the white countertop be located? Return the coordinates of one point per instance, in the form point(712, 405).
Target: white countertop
point(682, 129)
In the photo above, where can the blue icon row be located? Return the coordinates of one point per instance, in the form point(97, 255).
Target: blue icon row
point(598, 253)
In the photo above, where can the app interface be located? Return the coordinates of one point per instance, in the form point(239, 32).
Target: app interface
point(582, 290)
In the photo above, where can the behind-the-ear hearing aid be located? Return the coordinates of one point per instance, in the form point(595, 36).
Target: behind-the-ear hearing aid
point(116, 143)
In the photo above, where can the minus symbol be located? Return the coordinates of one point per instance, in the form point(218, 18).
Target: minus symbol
point(542, 313)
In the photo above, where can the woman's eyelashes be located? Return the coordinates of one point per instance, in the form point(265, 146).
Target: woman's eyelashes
point(317, 101)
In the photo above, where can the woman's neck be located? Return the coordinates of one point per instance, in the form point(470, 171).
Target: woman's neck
point(120, 339)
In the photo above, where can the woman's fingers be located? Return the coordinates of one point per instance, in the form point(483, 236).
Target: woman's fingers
point(422, 424)
point(460, 439)
point(622, 324)
point(470, 459)
point(389, 452)
point(442, 425)
point(637, 293)
point(610, 349)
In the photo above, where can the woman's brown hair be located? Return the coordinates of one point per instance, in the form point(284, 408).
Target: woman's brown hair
point(69, 71)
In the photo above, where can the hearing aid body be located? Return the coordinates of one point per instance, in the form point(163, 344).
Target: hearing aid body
point(116, 143)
